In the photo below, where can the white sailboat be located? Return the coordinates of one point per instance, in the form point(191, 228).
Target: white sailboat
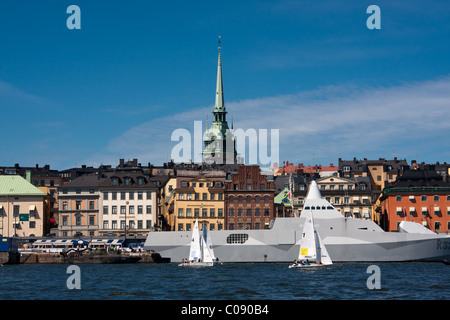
point(313, 252)
point(201, 253)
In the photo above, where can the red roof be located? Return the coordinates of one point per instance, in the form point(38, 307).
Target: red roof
point(291, 168)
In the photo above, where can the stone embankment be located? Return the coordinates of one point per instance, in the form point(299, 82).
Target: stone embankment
point(55, 258)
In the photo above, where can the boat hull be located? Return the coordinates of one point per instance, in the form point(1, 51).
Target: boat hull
point(346, 239)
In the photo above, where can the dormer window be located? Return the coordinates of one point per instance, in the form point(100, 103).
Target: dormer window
point(115, 181)
point(127, 181)
point(140, 181)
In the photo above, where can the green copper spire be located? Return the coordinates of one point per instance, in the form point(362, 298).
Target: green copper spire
point(217, 135)
point(220, 105)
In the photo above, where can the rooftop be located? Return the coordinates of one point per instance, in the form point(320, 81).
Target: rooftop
point(16, 185)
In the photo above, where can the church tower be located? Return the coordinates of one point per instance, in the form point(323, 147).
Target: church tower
point(219, 140)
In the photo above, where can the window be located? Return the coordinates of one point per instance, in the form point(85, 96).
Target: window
point(181, 196)
point(115, 181)
point(123, 210)
point(188, 212)
point(78, 205)
point(114, 224)
point(196, 212)
point(220, 212)
point(64, 205)
point(261, 186)
point(266, 199)
point(149, 195)
point(64, 220)
point(131, 195)
point(131, 209)
point(139, 196)
point(248, 212)
point(362, 186)
point(189, 196)
point(105, 195)
point(91, 220)
point(212, 212)
point(140, 181)
point(332, 187)
point(398, 198)
point(248, 199)
point(114, 209)
point(237, 237)
point(240, 212)
point(436, 198)
point(231, 199)
point(437, 226)
point(257, 212)
point(114, 195)
point(149, 209)
point(240, 199)
point(122, 196)
point(231, 212)
point(204, 212)
point(184, 184)
point(105, 209)
point(105, 225)
point(127, 181)
point(266, 212)
point(249, 186)
point(257, 199)
point(205, 196)
point(91, 205)
point(220, 196)
point(346, 168)
point(180, 212)
point(140, 210)
point(341, 187)
point(424, 198)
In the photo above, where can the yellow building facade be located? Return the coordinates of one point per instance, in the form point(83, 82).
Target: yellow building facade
point(195, 195)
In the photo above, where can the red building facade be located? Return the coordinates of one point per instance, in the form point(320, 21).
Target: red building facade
point(249, 199)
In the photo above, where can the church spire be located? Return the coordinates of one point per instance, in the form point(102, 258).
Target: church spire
point(219, 105)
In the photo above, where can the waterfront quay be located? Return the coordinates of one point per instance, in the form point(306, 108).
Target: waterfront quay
point(57, 258)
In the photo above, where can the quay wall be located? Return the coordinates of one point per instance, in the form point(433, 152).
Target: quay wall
point(55, 258)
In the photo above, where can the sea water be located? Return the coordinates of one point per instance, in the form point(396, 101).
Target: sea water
point(246, 281)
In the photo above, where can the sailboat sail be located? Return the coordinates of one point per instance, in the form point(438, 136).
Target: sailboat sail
point(207, 248)
point(323, 257)
point(195, 250)
point(311, 245)
point(307, 245)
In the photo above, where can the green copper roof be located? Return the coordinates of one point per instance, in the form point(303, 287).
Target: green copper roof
point(16, 185)
point(219, 105)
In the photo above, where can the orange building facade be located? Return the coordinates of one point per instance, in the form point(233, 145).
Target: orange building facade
point(425, 200)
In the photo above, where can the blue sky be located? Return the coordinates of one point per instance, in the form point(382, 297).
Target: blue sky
point(137, 70)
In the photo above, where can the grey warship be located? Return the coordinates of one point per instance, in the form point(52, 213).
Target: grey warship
point(346, 239)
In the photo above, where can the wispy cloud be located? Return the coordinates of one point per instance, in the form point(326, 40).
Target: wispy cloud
point(319, 125)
